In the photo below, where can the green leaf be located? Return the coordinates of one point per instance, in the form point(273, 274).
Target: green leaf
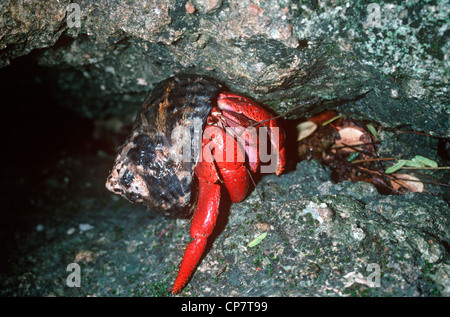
point(396, 167)
point(372, 129)
point(414, 163)
point(332, 119)
point(425, 161)
point(352, 156)
point(257, 240)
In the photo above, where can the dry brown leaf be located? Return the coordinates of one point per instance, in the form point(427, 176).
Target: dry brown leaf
point(349, 136)
point(305, 129)
point(408, 181)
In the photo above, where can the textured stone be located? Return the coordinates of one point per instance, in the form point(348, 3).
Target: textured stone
point(375, 60)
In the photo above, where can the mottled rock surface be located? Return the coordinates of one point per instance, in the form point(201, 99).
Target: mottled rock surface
point(377, 60)
point(323, 239)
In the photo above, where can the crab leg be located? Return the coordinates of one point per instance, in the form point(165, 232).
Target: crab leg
point(211, 171)
point(204, 218)
point(203, 223)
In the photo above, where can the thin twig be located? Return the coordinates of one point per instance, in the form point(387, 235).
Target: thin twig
point(418, 181)
point(374, 159)
point(370, 171)
point(354, 147)
point(380, 183)
point(165, 230)
point(427, 168)
point(221, 271)
point(433, 180)
point(416, 132)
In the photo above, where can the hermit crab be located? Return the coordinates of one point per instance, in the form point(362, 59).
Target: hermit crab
point(193, 141)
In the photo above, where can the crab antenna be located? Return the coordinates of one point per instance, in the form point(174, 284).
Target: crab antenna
point(254, 184)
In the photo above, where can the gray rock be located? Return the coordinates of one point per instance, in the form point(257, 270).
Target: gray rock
point(323, 239)
point(377, 60)
point(207, 6)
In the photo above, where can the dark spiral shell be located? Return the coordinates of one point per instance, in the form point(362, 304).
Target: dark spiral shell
point(144, 170)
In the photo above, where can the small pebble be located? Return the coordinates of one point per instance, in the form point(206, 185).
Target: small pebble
point(394, 93)
point(85, 227)
point(189, 7)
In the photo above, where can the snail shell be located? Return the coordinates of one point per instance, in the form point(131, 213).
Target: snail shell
point(144, 170)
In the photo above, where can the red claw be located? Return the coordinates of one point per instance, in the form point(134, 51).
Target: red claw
point(203, 223)
point(239, 110)
point(215, 169)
